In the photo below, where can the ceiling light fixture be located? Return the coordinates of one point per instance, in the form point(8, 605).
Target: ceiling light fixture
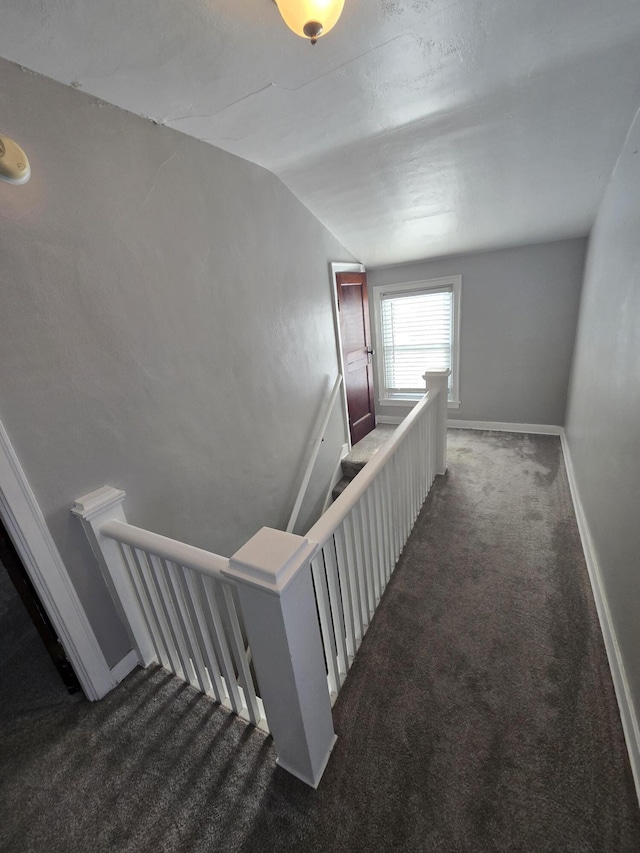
point(310, 19)
point(14, 165)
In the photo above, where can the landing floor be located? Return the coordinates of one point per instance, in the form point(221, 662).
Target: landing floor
point(478, 716)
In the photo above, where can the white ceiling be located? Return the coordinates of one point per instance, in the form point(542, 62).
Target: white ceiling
point(415, 128)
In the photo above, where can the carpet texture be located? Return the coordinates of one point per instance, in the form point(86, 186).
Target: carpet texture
point(479, 714)
point(360, 454)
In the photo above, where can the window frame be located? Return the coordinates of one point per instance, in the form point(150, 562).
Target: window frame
point(411, 288)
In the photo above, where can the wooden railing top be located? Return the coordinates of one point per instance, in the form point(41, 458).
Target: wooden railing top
point(170, 549)
point(338, 511)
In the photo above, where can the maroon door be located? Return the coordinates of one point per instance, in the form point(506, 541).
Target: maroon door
point(353, 305)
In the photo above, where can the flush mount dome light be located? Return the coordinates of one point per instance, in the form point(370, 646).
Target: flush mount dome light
point(310, 19)
point(14, 165)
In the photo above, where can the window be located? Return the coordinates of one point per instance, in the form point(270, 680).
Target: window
point(417, 327)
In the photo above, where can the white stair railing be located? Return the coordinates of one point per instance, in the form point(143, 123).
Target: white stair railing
point(178, 605)
point(197, 613)
point(190, 611)
point(361, 535)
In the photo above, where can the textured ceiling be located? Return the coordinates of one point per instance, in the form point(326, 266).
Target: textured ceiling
point(413, 129)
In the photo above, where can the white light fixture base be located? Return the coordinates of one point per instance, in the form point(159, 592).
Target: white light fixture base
point(310, 19)
point(14, 164)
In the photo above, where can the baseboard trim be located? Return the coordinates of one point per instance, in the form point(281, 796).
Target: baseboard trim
point(124, 667)
point(628, 715)
point(498, 426)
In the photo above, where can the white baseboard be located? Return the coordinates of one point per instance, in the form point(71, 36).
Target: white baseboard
point(128, 663)
point(498, 426)
point(620, 683)
point(536, 429)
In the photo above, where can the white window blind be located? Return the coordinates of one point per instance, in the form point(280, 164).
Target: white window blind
point(417, 330)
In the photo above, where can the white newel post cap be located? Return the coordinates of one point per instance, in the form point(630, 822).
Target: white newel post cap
point(435, 378)
point(97, 502)
point(270, 560)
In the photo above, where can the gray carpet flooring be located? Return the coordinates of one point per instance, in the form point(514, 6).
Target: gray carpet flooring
point(479, 714)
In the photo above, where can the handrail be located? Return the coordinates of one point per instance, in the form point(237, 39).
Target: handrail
point(202, 561)
point(335, 514)
point(288, 594)
point(312, 461)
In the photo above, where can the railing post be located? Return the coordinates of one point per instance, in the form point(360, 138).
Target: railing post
point(438, 380)
point(94, 510)
point(274, 584)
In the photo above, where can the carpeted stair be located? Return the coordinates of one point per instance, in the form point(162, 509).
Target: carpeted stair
point(360, 454)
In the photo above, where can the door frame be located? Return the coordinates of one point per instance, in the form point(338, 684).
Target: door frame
point(27, 599)
point(41, 559)
point(336, 268)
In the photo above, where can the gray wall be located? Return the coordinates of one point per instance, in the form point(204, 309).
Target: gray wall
point(519, 314)
point(603, 416)
point(165, 327)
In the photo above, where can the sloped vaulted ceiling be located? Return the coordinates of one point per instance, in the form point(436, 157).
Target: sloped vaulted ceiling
point(415, 128)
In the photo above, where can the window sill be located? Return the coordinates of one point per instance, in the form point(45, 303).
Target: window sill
point(407, 402)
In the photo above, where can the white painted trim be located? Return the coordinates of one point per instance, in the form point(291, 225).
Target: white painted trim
point(326, 525)
point(127, 664)
point(29, 532)
point(275, 589)
point(270, 560)
point(498, 426)
point(409, 403)
point(336, 268)
point(628, 713)
point(388, 419)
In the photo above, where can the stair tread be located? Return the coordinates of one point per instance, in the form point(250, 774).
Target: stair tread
point(360, 454)
point(339, 488)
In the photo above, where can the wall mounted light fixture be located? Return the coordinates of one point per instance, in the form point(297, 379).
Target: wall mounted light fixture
point(310, 18)
point(14, 164)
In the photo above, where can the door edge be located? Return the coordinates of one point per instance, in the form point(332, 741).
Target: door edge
point(33, 541)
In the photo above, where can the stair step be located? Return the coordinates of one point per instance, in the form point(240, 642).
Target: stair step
point(339, 488)
point(351, 467)
point(360, 454)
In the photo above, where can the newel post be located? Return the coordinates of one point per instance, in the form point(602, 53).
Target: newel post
point(94, 510)
point(274, 584)
point(438, 380)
